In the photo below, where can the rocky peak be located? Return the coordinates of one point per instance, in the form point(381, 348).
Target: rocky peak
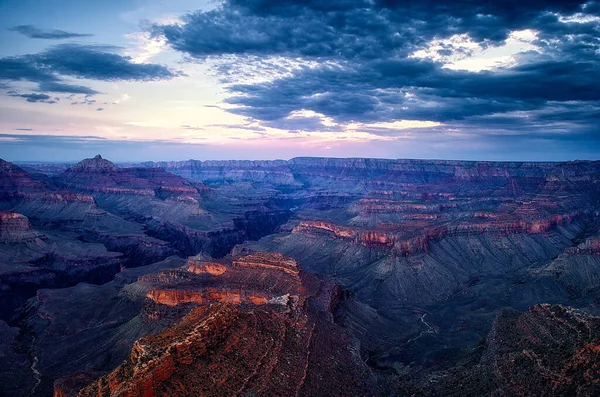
point(96, 164)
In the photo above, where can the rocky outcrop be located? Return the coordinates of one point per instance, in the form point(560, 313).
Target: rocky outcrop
point(58, 206)
point(15, 228)
point(15, 182)
point(547, 351)
point(256, 278)
point(590, 246)
point(225, 349)
point(99, 175)
point(174, 297)
point(269, 261)
point(578, 269)
point(400, 241)
point(200, 267)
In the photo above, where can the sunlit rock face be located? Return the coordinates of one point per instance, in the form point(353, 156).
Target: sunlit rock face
point(259, 329)
point(256, 278)
point(224, 349)
point(310, 276)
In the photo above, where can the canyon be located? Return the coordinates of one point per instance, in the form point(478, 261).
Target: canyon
point(309, 276)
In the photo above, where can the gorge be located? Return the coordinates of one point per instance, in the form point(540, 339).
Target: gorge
point(311, 276)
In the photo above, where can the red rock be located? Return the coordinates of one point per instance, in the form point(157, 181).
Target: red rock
point(255, 278)
point(223, 350)
point(199, 267)
point(546, 351)
point(268, 260)
point(15, 228)
point(174, 297)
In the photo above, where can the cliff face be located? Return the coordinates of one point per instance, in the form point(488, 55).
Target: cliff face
point(426, 253)
point(14, 182)
point(224, 349)
point(15, 228)
point(404, 242)
point(256, 278)
point(578, 268)
point(549, 351)
point(261, 327)
point(374, 172)
point(102, 176)
point(220, 172)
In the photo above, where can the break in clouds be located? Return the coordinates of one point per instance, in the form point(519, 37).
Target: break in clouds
point(361, 61)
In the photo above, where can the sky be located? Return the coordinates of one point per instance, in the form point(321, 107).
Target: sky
point(133, 80)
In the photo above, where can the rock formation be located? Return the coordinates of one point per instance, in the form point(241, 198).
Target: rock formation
point(547, 351)
point(309, 276)
point(256, 278)
point(282, 346)
point(15, 228)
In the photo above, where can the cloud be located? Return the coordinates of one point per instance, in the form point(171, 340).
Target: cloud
point(353, 61)
point(19, 68)
point(100, 109)
point(35, 97)
point(44, 139)
point(189, 127)
point(29, 147)
point(55, 86)
point(94, 62)
point(34, 32)
point(348, 29)
point(83, 101)
point(98, 63)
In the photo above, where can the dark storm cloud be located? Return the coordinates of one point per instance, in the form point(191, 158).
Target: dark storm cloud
point(80, 61)
point(376, 91)
point(365, 73)
point(34, 32)
point(349, 29)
